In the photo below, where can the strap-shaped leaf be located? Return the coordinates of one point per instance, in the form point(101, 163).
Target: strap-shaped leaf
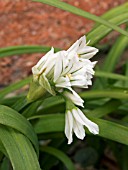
point(2, 149)
point(13, 50)
point(108, 129)
point(19, 149)
point(31, 109)
point(9, 101)
point(45, 125)
point(115, 54)
point(80, 12)
point(126, 74)
point(60, 155)
point(110, 63)
point(13, 119)
point(113, 93)
point(101, 31)
point(105, 109)
point(113, 76)
point(114, 12)
point(14, 86)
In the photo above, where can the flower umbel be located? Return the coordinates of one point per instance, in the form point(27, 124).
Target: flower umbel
point(59, 73)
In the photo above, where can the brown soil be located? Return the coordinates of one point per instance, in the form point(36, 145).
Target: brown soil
point(25, 22)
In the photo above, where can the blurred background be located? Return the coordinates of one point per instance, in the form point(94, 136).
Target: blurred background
point(24, 22)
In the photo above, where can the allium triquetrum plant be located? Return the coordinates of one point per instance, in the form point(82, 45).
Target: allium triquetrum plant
point(62, 104)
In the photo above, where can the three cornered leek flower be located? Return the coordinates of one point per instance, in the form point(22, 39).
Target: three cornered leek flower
point(75, 121)
point(58, 73)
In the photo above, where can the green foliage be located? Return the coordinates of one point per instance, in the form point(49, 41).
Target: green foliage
point(10, 51)
point(13, 119)
point(16, 134)
point(30, 128)
point(18, 149)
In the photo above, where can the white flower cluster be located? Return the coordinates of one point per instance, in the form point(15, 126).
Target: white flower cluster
point(59, 73)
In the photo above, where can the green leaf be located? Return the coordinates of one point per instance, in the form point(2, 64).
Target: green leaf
point(114, 93)
point(2, 149)
point(115, 54)
point(19, 149)
point(14, 86)
point(105, 109)
point(45, 125)
point(60, 155)
point(108, 129)
point(114, 12)
point(20, 104)
point(101, 31)
point(13, 119)
point(104, 74)
point(51, 104)
point(31, 109)
point(15, 50)
point(52, 101)
point(113, 131)
point(126, 74)
point(9, 101)
point(110, 63)
point(80, 12)
point(5, 164)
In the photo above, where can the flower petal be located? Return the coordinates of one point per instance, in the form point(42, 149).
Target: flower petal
point(60, 63)
point(74, 97)
point(88, 52)
point(92, 127)
point(48, 66)
point(77, 117)
point(58, 66)
point(35, 70)
point(63, 82)
point(79, 83)
point(78, 130)
point(69, 126)
point(74, 47)
point(82, 41)
point(45, 57)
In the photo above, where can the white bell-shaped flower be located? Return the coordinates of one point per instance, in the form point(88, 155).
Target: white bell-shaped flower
point(75, 121)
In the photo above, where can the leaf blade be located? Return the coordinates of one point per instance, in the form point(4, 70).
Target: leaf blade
point(15, 50)
point(19, 149)
point(13, 119)
point(14, 86)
